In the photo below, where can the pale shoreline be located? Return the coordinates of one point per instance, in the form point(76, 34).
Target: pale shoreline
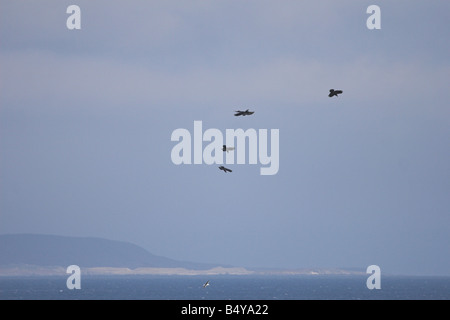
point(29, 270)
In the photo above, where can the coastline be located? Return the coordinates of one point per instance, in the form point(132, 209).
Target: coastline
point(31, 270)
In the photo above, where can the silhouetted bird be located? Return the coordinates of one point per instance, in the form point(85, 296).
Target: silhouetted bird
point(244, 113)
point(334, 93)
point(225, 148)
point(206, 284)
point(224, 169)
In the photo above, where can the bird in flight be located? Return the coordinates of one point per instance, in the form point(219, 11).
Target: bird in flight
point(244, 113)
point(206, 284)
point(225, 148)
point(224, 169)
point(334, 92)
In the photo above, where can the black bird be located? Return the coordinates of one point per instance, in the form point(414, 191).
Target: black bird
point(225, 148)
point(244, 113)
point(334, 93)
point(225, 169)
point(206, 284)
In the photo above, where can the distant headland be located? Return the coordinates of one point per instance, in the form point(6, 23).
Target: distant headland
point(36, 255)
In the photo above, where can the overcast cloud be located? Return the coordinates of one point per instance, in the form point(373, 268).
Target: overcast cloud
point(86, 118)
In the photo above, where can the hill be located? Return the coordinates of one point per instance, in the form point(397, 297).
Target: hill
point(52, 250)
point(32, 254)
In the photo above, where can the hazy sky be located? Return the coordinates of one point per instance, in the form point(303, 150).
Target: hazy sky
point(86, 118)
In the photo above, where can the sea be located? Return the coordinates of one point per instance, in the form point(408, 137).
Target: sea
point(225, 287)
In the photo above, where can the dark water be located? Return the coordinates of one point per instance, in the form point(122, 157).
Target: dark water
point(225, 288)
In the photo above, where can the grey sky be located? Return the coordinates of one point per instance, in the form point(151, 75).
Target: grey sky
point(86, 118)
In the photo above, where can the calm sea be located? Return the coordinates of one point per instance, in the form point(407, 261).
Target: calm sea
point(225, 287)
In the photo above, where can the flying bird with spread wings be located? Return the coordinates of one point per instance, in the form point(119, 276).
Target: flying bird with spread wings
point(244, 113)
point(334, 93)
point(227, 149)
point(206, 284)
point(225, 169)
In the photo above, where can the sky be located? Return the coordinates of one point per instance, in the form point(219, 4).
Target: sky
point(86, 118)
